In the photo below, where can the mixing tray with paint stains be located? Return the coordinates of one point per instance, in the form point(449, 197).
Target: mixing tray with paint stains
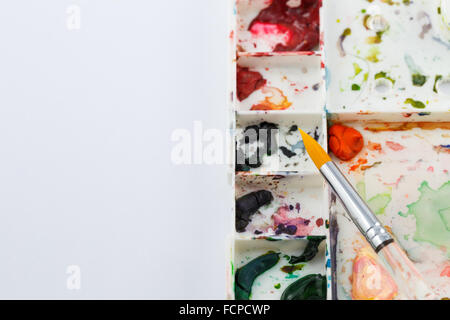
point(376, 72)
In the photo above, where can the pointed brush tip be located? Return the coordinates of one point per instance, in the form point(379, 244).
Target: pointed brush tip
point(317, 154)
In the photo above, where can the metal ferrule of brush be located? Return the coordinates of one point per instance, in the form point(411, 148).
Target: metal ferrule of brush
point(358, 210)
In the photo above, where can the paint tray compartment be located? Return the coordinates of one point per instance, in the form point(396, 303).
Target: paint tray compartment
point(280, 28)
point(384, 56)
point(273, 280)
point(284, 150)
point(296, 206)
point(380, 64)
point(405, 182)
point(292, 82)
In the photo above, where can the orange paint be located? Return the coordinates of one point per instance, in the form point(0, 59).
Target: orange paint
point(345, 142)
point(405, 126)
point(360, 162)
point(275, 101)
point(374, 146)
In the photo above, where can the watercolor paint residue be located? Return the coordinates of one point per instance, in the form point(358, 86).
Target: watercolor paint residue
point(272, 147)
point(264, 270)
point(406, 183)
point(296, 27)
point(376, 63)
point(279, 206)
point(432, 215)
point(370, 280)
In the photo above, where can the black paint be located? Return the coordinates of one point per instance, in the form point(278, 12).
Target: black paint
point(248, 205)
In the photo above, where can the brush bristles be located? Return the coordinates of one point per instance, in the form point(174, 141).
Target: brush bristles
point(315, 150)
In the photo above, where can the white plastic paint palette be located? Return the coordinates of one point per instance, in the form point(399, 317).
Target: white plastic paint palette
point(381, 64)
point(293, 82)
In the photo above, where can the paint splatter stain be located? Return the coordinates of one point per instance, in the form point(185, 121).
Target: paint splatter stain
point(281, 217)
point(379, 203)
point(442, 148)
point(432, 213)
point(372, 146)
point(415, 103)
point(446, 272)
point(291, 269)
point(358, 164)
point(394, 146)
point(248, 82)
point(373, 55)
point(340, 44)
point(418, 79)
point(319, 222)
point(276, 100)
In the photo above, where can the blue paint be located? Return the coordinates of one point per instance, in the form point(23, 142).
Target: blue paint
point(327, 77)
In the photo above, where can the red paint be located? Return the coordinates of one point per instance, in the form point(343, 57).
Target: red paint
point(319, 222)
point(430, 169)
point(394, 146)
point(345, 142)
point(446, 272)
point(276, 100)
point(298, 27)
point(248, 82)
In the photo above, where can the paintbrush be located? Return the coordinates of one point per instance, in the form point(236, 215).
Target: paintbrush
point(409, 281)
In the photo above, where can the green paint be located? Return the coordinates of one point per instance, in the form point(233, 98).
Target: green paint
point(412, 66)
point(439, 10)
point(415, 103)
point(357, 69)
point(436, 79)
point(277, 286)
point(383, 75)
point(346, 32)
point(292, 268)
point(311, 287)
point(379, 202)
point(407, 2)
point(373, 55)
point(246, 275)
point(445, 216)
point(377, 38)
point(432, 213)
point(356, 87)
point(361, 188)
point(418, 79)
point(311, 250)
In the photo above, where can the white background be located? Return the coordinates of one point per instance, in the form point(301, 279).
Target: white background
point(86, 179)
